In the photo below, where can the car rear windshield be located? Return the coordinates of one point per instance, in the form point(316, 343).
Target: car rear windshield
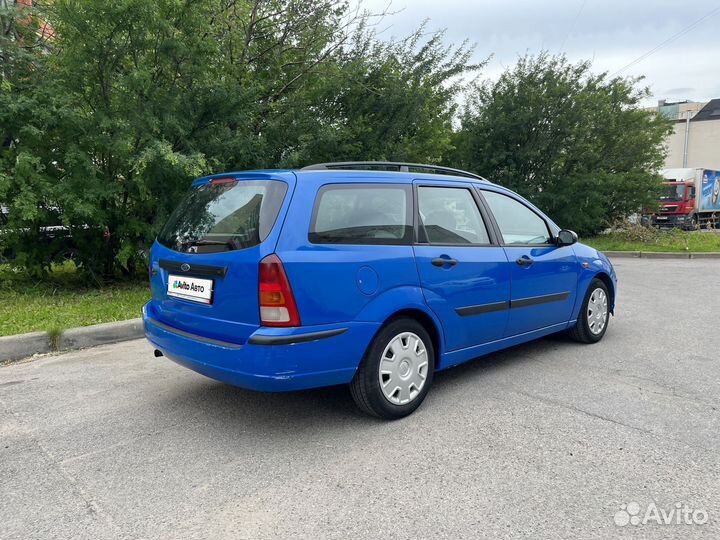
point(224, 215)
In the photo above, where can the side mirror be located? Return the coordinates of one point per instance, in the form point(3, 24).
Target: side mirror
point(566, 237)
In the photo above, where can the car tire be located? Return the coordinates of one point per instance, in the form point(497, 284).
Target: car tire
point(400, 359)
point(590, 326)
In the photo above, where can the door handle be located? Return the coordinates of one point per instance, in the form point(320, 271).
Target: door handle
point(442, 261)
point(524, 261)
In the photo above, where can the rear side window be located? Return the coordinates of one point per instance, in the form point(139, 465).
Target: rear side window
point(362, 214)
point(518, 224)
point(224, 215)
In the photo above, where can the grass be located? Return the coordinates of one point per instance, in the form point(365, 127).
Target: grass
point(63, 300)
point(636, 238)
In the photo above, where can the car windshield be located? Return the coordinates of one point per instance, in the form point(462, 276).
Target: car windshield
point(224, 215)
point(673, 192)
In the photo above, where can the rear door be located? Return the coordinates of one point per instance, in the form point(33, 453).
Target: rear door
point(543, 275)
point(204, 273)
point(463, 271)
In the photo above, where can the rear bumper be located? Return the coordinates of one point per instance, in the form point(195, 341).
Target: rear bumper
point(273, 359)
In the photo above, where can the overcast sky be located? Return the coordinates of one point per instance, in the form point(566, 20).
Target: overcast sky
point(611, 33)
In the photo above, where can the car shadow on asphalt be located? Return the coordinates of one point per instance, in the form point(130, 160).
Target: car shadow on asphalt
point(494, 363)
point(213, 402)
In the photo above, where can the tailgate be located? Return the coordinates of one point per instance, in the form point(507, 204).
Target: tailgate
point(204, 275)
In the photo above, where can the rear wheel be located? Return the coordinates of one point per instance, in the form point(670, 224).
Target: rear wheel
point(396, 373)
point(594, 315)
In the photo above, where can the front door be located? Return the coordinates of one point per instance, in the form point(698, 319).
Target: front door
point(543, 275)
point(465, 276)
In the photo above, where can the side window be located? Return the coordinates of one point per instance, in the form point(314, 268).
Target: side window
point(518, 224)
point(451, 216)
point(362, 214)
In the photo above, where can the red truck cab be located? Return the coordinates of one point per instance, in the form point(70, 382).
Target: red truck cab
point(677, 206)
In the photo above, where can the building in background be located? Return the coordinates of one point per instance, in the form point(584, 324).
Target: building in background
point(695, 140)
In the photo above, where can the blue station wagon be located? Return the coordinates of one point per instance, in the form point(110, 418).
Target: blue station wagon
point(375, 275)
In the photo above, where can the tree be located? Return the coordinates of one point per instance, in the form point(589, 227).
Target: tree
point(575, 143)
point(134, 99)
point(385, 101)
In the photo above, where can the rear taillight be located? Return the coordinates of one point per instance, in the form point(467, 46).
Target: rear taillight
point(277, 303)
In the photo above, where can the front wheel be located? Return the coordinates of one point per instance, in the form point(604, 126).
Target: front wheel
point(594, 316)
point(396, 373)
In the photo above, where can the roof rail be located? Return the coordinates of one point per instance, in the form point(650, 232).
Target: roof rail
point(400, 166)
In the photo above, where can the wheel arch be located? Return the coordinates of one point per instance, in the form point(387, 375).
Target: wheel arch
point(405, 302)
point(605, 278)
point(426, 321)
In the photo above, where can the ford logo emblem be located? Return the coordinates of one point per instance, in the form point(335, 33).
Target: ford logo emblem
point(185, 267)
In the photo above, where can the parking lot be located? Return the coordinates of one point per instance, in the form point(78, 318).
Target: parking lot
point(545, 440)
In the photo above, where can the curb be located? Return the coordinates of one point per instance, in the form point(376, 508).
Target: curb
point(662, 254)
point(622, 254)
point(23, 345)
point(100, 334)
point(708, 255)
point(13, 348)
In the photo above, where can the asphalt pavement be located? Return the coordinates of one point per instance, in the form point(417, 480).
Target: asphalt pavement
point(547, 440)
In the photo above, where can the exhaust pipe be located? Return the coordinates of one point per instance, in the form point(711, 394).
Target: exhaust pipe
point(158, 353)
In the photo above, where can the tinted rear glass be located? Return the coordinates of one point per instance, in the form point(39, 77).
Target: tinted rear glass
point(227, 216)
point(362, 214)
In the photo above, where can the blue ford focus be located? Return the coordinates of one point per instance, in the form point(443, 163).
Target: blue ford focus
point(375, 275)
